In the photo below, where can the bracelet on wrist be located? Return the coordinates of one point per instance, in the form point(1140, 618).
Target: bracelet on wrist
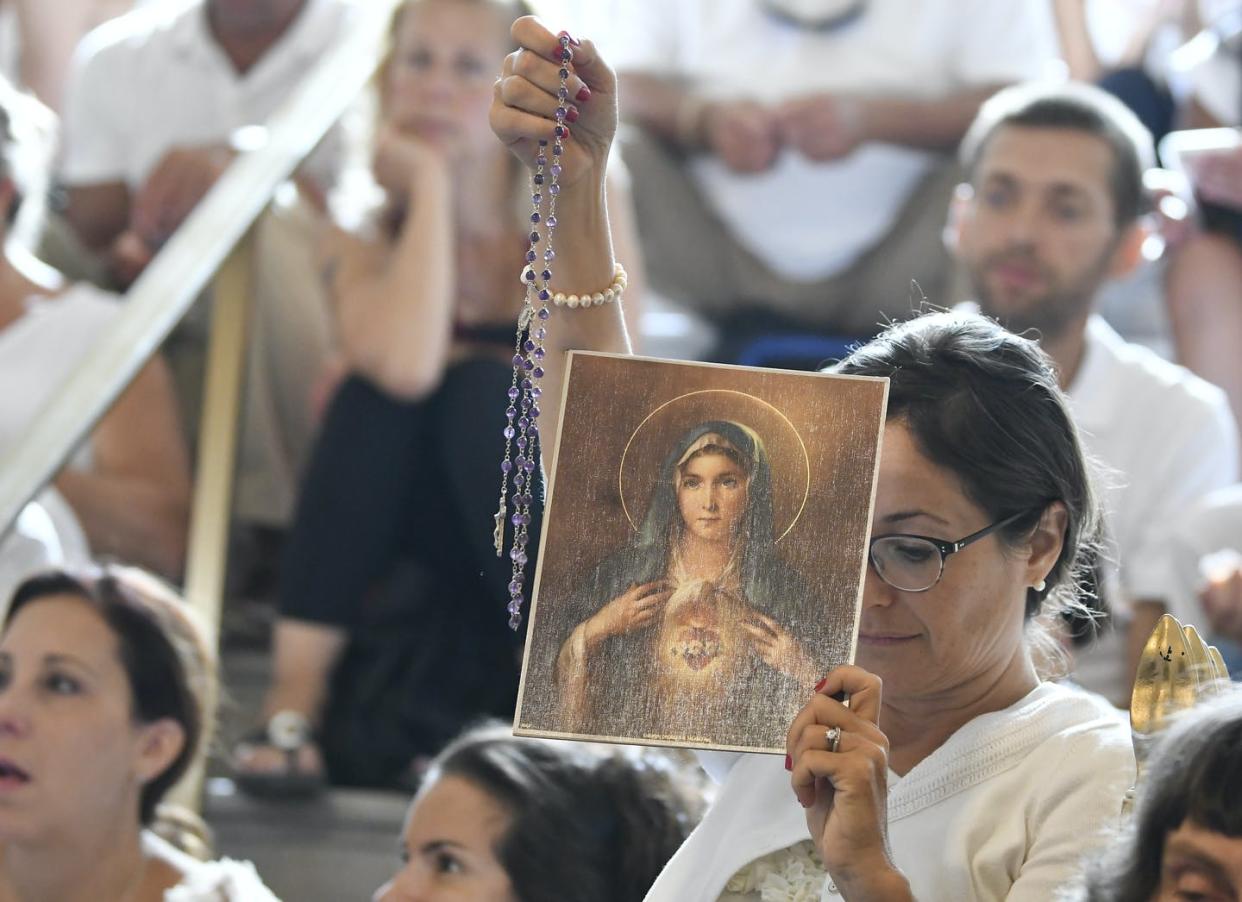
point(609, 295)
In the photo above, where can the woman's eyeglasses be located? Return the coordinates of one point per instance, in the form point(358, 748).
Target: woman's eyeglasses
point(916, 563)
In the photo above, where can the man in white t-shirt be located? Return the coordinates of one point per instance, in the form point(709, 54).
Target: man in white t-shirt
point(1050, 212)
point(798, 167)
point(155, 99)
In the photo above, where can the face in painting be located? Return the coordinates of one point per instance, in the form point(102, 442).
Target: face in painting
point(448, 847)
point(711, 496)
point(71, 753)
point(1200, 864)
point(1038, 235)
point(968, 625)
point(438, 85)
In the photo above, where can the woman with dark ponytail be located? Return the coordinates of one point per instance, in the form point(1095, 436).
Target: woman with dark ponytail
point(500, 818)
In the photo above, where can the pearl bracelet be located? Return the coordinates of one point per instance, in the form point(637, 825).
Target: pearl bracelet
point(609, 295)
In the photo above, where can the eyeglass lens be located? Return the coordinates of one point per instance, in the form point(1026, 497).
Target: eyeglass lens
point(907, 563)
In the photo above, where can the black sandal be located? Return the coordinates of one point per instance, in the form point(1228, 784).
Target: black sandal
point(289, 732)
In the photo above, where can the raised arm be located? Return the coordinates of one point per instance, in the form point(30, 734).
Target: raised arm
point(523, 108)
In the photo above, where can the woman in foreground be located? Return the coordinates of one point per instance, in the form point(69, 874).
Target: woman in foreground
point(104, 705)
point(501, 819)
point(964, 775)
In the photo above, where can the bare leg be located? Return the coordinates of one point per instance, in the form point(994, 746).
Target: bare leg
point(303, 655)
point(1204, 297)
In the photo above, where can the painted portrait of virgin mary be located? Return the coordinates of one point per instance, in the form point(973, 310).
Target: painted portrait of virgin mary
point(677, 635)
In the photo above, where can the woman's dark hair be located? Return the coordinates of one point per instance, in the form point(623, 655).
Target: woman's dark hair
point(985, 405)
point(165, 658)
point(1194, 775)
point(586, 825)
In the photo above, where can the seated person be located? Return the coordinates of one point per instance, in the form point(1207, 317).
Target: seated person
point(104, 689)
point(970, 775)
point(128, 486)
point(404, 474)
point(541, 821)
point(1186, 838)
point(153, 104)
point(1206, 550)
point(1052, 209)
point(1203, 283)
point(153, 100)
point(778, 193)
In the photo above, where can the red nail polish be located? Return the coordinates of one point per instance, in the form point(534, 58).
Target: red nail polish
point(572, 39)
point(583, 95)
point(571, 115)
point(820, 684)
point(788, 763)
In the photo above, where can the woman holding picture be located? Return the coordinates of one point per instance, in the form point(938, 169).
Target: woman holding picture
point(955, 770)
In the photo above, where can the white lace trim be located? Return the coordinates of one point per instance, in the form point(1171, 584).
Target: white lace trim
point(793, 874)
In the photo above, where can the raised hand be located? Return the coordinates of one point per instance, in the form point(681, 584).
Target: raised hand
point(525, 101)
point(845, 790)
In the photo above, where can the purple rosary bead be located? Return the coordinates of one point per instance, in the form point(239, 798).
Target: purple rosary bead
point(509, 432)
point(544, 313)
point(513, 394)
point(540, 353)
point(549, 255)
point(551, 222)
point(506, 466)
point(545, 295)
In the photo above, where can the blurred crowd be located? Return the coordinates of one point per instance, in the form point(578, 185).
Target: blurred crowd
point(789, 178)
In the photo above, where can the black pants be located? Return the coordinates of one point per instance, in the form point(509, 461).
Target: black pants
point(392, 541)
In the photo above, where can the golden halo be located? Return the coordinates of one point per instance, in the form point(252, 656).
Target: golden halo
point(650, 441)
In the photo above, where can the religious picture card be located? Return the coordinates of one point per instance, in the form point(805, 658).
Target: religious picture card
point(703, 552)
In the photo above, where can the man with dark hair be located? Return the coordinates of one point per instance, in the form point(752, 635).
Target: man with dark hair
point(1051, 211)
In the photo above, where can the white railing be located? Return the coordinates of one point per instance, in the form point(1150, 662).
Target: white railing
point(168, 287)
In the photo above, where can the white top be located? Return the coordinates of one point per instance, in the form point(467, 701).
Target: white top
point(808, 220)
point(155, 79)
point(1166, 438)
point(1005, 809)
point(38, 352)
point(210, 881)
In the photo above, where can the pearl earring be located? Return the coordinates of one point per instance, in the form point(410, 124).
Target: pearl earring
point(1040, 586)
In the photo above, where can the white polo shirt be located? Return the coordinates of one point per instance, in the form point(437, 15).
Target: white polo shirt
point(155, 79)
point(809, 220)
point(1166, 438)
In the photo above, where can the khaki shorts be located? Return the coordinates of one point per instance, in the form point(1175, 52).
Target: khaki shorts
point(694, 260)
